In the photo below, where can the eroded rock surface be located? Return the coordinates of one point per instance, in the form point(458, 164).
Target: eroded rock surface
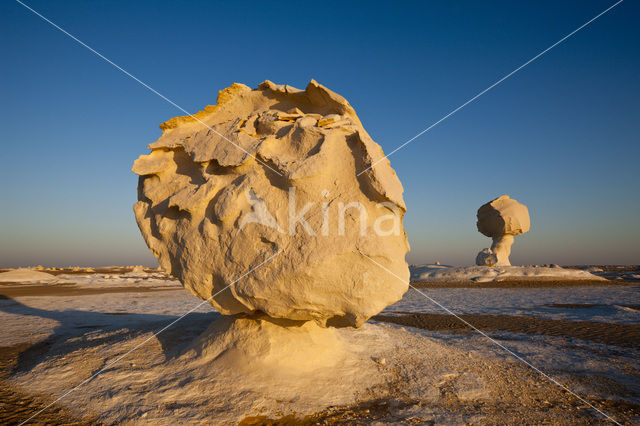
point(274, 171)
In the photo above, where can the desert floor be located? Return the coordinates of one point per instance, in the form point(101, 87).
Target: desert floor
point(586, 335)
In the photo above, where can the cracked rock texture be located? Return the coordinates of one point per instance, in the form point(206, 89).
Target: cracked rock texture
point(267, 172)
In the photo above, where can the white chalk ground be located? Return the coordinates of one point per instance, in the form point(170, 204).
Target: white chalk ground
point(594, 303)
point(169, 381)
point(437, 273)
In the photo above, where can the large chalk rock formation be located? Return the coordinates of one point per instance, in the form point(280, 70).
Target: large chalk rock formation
point(274, 172)
point(501, 219)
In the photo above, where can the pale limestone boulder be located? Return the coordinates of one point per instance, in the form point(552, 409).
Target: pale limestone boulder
point(501, 219)
point(211, 211)
point(486, 257)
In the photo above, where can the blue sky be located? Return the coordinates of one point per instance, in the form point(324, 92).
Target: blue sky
point(561, 135)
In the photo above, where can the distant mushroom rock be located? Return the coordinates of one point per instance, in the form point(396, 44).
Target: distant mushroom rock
point(284, 173)
point(501, 220)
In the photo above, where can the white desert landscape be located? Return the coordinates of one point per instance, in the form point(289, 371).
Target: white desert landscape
point(283, 297)
point(413, 363)
point(351, 213)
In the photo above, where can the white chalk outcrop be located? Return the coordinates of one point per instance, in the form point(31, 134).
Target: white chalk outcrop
point(501, 219)
point(480, 274)
point(290, 187)
point(271, 347)
point(21, 275)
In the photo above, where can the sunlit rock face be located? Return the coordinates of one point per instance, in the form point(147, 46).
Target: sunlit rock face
point(501, 219)
point(274, 174)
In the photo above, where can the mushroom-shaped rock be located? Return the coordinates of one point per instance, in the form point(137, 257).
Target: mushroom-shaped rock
point(258, 205)
point(501, 219)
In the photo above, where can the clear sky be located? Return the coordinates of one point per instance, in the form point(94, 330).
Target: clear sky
point(560, 136)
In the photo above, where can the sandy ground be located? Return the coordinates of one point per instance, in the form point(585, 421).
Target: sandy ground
point(17, 406)
point(624, 335)
point(440, 371)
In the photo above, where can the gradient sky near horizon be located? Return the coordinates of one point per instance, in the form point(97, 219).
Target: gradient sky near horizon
point(560, 135)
